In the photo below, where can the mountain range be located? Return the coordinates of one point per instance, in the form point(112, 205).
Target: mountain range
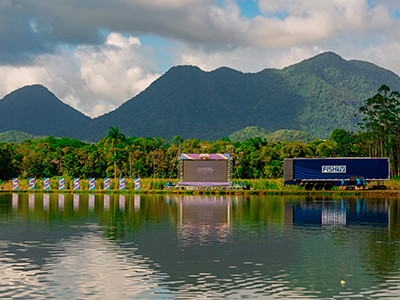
point(316, 96)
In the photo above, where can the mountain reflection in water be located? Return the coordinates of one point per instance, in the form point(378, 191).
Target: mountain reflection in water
point(152, 246)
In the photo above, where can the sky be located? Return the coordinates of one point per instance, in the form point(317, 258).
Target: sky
point(96, 54)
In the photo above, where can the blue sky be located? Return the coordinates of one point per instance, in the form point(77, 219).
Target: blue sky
point(95, 55)
point(249, 8)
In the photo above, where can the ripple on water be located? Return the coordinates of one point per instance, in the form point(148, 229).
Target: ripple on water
point(243, 247)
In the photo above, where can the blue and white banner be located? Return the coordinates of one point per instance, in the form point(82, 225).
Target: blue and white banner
point(92, 185)
point(77, 184)
point(31, 183)
point(15, 185)
point(46, 183)
point(122, 184)
point(106, 183)
point(61, 183)
point(137, 184)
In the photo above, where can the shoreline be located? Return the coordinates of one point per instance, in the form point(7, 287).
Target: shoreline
point(367, 192)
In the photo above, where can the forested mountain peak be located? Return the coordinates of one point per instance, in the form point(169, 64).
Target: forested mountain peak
point(317, 64)
point(30, 92)
point(34, 109)
point(315, 96)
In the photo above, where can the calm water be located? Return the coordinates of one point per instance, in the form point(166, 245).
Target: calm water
point(116, 246)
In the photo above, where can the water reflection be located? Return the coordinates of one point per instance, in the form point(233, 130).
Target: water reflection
point(15, 201)
point(106, 202)
point(122, 202)
point(152, 246)
point(203, 219)
point(61, 199)
point(46, 202)
point(137, 202)
point(338, 213)
point(91, 202)
point(76, 202)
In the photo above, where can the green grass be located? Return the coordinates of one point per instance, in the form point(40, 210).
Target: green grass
point(150, 185)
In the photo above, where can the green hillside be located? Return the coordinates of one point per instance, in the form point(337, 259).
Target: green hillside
point(35, 110)
point(334, 90)
point(279, 135)
point(17, 137)
point(314, 96)
point(208, 105)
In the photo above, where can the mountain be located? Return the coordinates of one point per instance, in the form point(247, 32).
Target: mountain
point(13, 136)
point(35, 110)
point(316, 96)
point(247, 133)
point(334, 90)
point(279, 135)
point(209, 105)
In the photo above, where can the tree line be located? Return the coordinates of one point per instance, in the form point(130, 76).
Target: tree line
point(116, 155)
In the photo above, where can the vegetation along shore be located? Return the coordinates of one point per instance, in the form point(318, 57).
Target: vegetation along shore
point(258, 162)
point(159, 186)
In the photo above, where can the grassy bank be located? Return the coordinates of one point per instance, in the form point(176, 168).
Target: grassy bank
point(149, 185)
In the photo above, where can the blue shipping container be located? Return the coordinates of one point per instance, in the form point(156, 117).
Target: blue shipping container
point(335, 170)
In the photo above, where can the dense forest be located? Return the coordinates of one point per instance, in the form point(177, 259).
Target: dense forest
point(116, 155)
point(278, 135)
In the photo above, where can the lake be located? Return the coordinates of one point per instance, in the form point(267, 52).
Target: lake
point(185, 246)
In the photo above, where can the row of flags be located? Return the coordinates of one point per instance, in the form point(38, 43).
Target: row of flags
point(77, 184)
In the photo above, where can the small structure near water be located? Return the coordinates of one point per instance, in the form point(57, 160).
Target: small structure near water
point(205, 171)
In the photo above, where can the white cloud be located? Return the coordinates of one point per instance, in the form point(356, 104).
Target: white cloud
point(205, 23)
point(117, 40)
point(96, 76)
point(384, 55)
point(116, 70)
point(12, 78)
point(254, 59)
point(246, 59)
point(92, 79)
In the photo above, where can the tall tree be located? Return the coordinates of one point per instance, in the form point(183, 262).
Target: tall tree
point(115, 137)
point(381, 119)
point(8, 161)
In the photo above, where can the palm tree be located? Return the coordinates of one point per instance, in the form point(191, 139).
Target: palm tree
point(115, 137)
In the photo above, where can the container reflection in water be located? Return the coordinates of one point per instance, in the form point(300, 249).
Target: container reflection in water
point(336, 213)
point(333, 216)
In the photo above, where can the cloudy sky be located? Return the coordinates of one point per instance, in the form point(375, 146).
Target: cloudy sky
point(96, 54)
